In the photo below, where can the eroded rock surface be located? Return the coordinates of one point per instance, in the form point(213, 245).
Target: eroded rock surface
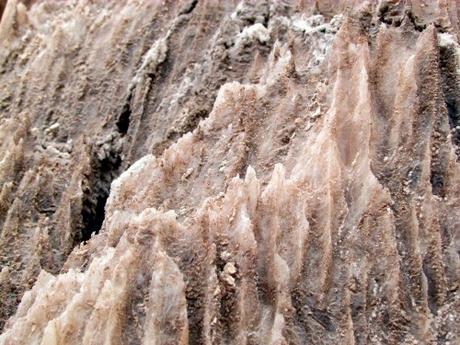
point(224, 172)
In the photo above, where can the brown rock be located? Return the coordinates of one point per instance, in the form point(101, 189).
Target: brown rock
point(203, 172)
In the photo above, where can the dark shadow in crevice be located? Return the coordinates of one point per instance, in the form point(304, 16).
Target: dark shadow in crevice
point(431, 286)
point(448, 66)
point(96, 192)
point(125, 116)
point(92, 217)
point(415, 21)
point(188, 8)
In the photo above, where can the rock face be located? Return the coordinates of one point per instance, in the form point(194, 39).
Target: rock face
point(224, 172)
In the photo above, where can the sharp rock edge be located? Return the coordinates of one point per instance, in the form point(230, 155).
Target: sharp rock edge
point(286, 173)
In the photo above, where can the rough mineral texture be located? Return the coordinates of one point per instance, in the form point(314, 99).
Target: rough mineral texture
point(226, 172)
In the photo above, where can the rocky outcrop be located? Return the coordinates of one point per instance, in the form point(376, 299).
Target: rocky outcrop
point(212, 172)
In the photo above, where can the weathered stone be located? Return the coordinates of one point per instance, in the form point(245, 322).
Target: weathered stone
point(223, 172)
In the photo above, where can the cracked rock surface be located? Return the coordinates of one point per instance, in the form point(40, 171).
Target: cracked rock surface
point(229, 172)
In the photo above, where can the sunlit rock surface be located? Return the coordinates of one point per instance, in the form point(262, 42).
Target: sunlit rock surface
point(224, 172)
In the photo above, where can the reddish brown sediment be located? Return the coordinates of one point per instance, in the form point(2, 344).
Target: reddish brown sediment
point(206, 172)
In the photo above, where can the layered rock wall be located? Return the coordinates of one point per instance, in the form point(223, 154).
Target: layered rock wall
point(210, 172)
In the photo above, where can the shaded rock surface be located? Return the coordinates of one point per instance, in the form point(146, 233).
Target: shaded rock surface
point(225, 172)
